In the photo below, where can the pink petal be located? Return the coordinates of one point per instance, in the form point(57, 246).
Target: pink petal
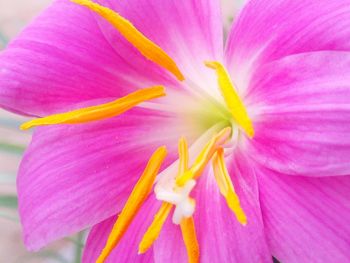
point(62, 59)
point(170, 247)
point(73, 177)
point(221, 237)
point(306, 219)
point(190, 31)
point(302, 122)
point(127, 249)
point(268, 30)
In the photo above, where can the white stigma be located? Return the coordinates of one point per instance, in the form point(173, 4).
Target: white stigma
point(179, 197)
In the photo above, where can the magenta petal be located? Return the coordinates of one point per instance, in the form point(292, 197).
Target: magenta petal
point(170, 247)
point(73, 177)
point(127, 249)
point(190, 31)
point(221, 237)
point(61, 59)
point(268, 30)
point(302, 122)
point(306, 219)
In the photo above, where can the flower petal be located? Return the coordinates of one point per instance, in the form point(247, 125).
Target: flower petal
point(62, 59)
point(190, 31)
point(221, 237)
point(127, 249)
point(268, 30)
point(170, 247)
point(302, 122)
point(306, 219)
point(75, 176)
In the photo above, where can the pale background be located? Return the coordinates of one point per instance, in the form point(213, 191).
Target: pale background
point(14, 15)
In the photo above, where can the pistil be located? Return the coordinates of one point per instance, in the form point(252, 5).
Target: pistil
point(179, 196)
point(176, 196)
point(190, 238)
point(186, 223)
point(188, 229)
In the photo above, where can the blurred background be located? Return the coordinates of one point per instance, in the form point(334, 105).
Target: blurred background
point(14, 15)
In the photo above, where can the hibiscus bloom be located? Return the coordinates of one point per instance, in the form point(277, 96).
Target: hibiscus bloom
point(257, 134)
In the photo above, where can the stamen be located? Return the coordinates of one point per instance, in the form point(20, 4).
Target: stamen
point(153, 231)
point(144, 45)
point(183, 156)
point(190, 238)
point(99, 112)
point(232, 100)
point(134, 202)
point(204, 157)
point(226, 187)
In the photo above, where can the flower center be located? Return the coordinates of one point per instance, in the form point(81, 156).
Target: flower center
point(173, 189)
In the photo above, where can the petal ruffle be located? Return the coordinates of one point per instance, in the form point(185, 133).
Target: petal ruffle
point(62, 59)
point(269, 30)
point(306, 219)
point(302, 122)
point(127, 249)
point(221, 237)
point(73, 177)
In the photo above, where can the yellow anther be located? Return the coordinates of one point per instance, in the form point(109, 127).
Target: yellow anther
point(204, 157)
point(183, 156)
point(232, 100)
point(99, 112)
point(134, 202)
point(153, 231)
point(145, 46)
point(190, 238)
point(226, 187)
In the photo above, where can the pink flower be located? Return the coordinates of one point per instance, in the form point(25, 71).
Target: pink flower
point(286, 144)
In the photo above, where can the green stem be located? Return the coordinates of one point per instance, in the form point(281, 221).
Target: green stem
point(8, 201)
point(12, 148)
point(79, 247)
